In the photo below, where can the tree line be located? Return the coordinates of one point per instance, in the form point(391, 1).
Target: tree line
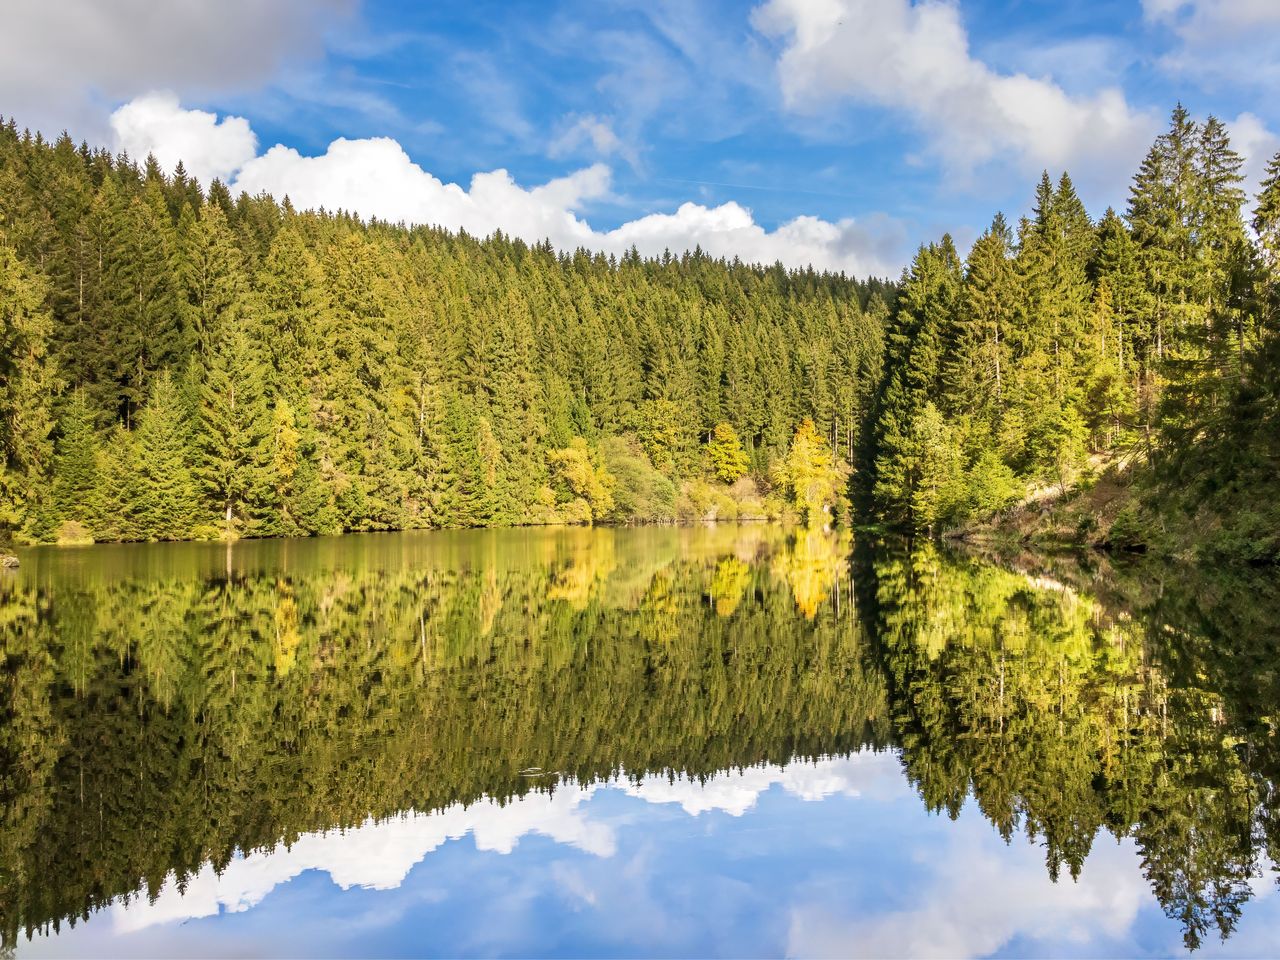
point(1149, 337)
point(176, 362)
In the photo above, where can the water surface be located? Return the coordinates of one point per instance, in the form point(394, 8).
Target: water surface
point(741, 741)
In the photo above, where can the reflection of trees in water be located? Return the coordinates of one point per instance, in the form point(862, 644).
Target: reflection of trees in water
point(162, 719)
point(1064, 717)
point(167, 715)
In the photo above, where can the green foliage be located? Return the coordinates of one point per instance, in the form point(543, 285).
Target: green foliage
point(640, 492)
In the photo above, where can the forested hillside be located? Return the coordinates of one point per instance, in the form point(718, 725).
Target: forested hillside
point(1143, 348)
point(176, 362)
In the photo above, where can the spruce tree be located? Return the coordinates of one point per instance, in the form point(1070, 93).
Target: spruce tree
point(75, 494)
point(235, 435)
point(27, 385)
point(161, 497)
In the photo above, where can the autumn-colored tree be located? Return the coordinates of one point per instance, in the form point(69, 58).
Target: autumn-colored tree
point(809, 475)
point(728, 460)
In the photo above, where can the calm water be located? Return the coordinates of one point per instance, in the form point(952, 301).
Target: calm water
point(726, 741)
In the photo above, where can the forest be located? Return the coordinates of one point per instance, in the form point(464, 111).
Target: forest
point(177, 363)
point(1141, 350)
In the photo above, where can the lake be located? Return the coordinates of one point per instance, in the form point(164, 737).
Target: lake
point(729, 740)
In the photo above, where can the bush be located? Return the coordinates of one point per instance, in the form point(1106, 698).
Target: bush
point(700, 500)
point(640, 492)
point(72, 533)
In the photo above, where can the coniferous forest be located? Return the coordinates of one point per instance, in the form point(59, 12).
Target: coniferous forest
point(1137, 354)
point(180, 363)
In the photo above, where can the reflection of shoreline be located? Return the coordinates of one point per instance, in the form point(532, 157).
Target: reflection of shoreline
point(319, 682)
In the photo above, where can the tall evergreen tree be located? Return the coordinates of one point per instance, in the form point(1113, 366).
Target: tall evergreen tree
point(235, 435)
point(27, 384)
point(75, 494)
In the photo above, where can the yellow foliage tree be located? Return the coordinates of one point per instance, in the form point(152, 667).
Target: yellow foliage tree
point(809, 474)
point(728, 460)
point(586, 480)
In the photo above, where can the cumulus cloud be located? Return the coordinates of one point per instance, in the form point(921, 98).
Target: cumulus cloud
point(56, 59)
point(915, 57)
point(375, 177)
point(208, 147)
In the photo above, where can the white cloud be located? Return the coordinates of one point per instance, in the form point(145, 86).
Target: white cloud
point(593, 131)
point(1251, 138)
point(1233, 42)
point(208, 147)
point(914, 57)
point(58, 58)
point(1216, 18)
point(979, 897)
point(376, 178)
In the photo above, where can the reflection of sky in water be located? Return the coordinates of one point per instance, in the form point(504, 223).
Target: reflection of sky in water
point(837, 858)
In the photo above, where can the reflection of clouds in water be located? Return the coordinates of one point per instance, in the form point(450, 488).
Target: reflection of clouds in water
point(375, 855)
point(379, 855)
point(978, 897)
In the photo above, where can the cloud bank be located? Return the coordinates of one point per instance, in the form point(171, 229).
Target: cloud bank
point(375, 177)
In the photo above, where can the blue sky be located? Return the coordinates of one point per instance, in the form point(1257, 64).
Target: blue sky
point(877, 123)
